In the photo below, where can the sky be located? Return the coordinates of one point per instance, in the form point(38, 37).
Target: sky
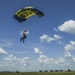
point(50, 42)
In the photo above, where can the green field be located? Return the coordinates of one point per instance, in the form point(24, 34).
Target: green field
point(38, 73)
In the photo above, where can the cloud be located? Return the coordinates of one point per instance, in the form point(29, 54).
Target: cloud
point(70, 47)
point(9, 43)
point(72, 42)
point(57, 37)
point(5, 43)
point(50, 63)
point(60, 60)
point(73, 58)
point(2, 51)
point(43, 59)
point(60, 42)
point(55, 29)
point(70, 58)
point(68, 27)
point(13, 63)
point(68, 55)
point(47, 38)
point(10, 58)
point(37, 51)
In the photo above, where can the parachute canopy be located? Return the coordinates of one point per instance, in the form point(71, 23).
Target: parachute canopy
point(25, 13)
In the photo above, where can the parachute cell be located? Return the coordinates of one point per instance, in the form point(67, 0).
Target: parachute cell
point(25, 13)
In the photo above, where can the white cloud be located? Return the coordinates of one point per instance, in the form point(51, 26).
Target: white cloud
point(43, 59)
point(68, 27)
point(68, 55)
point(50, 61)
point(59, 61)
point(13, 63)
point(60, 42)
point(37, 51)
point(70, 47)
point(55, 29)
point(10, 58)
point(73, 59)
point(2, 51)
point(9, 43)
point(47, 38)
point(5, 43)
point(57, 37)
point(72, 42)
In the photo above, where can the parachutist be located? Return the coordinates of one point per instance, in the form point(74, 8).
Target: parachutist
point(24, 36)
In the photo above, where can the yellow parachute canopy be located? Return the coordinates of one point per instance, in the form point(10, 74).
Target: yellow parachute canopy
point(23, 14)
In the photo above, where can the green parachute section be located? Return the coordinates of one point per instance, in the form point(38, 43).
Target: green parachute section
point(25, 13)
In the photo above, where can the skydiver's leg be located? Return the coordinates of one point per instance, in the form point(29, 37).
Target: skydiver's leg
point(21, 39)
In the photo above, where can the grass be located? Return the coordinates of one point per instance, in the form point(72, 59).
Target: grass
point(37, 73)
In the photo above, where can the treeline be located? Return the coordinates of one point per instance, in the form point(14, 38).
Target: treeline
point(42, 71)
point(55, 70)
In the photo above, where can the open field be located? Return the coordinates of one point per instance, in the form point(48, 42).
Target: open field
point(38, 73)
